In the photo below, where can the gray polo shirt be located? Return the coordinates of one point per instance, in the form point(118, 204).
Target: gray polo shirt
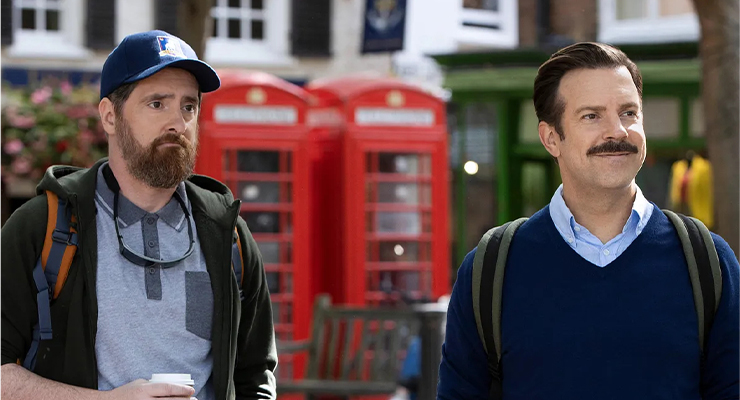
point(151, 320)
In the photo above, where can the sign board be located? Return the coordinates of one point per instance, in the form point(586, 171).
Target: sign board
point(385, 22)
point(268, 115)
point(394, 116)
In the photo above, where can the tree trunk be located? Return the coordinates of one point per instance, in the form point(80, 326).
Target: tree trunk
point(194, 23)
point(719, 46)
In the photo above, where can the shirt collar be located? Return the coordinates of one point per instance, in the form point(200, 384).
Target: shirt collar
point(129, 213)
point(565, 222)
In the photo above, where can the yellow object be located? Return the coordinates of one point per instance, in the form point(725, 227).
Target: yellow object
point(698, 197)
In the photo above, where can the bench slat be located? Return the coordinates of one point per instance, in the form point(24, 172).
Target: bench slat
point(348, 343)
point(333, 344)
point(309, 386)
point(317, 336)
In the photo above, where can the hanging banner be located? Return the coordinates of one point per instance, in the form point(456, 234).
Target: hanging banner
point(385, 22)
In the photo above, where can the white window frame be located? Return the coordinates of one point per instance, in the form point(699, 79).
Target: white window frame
point(272, 50)
point(66, 43)
point(653, 29)
point(507, 18)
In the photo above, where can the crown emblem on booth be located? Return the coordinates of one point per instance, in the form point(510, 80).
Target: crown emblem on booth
point(256, 96)
point(395, 98)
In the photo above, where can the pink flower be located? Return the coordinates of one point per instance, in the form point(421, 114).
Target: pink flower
point(22, 121)
point(13, 147)
point(66, 88)
point(41, 95)
point(41, 144)
point(77, 112)
point(21, 166)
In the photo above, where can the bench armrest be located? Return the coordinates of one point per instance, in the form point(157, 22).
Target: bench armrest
point(293, 346)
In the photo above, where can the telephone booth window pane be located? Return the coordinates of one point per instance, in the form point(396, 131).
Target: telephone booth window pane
point(258, 161)
point(427, 222)
point(398, 222)
point(286, 192)
point(403, 281)
point(287, 257)
point(287, 316)
point(393, 163)
point(396, 251)
point(426, 252)
point(287, 282)
point(391, 192)
point(262, 222)
point(260, 192)
point(273, 282)
point(276, 312)
point(270, 252)
point(286, 222)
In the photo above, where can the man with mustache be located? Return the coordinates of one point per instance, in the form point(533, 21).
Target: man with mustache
point(596, 300)
point(151, 288)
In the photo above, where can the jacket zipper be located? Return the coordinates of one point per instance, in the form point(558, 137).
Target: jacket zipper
point(86, 260)
point(231, 297)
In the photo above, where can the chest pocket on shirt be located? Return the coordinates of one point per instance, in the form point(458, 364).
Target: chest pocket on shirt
point(199, 303)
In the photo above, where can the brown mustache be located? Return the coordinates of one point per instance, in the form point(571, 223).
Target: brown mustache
point(612, 147)
point(168, 138)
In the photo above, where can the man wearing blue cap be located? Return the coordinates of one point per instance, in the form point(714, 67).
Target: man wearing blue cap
point(151, 288)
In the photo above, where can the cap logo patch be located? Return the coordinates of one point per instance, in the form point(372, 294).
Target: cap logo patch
point(169, 47)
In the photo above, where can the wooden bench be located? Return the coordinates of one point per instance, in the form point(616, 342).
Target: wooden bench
point(352, 350)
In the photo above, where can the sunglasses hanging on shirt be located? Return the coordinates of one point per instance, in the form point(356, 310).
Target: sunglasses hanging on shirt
point(126, 251)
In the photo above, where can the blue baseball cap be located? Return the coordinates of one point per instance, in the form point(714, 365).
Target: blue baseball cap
point(141, 55)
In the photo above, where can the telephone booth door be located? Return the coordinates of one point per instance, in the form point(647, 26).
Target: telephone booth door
point(254, 140)
point(394, 217)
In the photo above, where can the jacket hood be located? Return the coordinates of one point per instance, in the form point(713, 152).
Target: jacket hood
point(206, 194)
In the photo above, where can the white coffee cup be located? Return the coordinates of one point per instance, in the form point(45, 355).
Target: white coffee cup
point(180, 379)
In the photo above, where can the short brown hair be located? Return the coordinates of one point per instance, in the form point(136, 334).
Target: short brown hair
point(585, 55)
point(119, 96)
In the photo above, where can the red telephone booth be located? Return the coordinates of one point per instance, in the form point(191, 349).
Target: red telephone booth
point(389, 206)
point(254, 139)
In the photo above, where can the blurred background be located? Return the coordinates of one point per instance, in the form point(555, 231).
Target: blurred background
point(373, 142)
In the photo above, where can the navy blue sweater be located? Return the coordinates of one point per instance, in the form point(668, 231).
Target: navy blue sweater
point(572, 330)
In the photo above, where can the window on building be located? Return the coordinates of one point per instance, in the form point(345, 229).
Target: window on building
point(39, 15)
point(489, 23)
point(647, 21)
point(239, 19)
point(46, 29)
point(249, 32)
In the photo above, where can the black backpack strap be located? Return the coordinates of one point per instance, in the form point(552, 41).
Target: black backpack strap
point(489, 265)
point(704, 270)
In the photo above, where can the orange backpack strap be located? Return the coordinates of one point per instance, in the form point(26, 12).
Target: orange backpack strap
point(60, 243)
point(237, 261)
point(52, 268)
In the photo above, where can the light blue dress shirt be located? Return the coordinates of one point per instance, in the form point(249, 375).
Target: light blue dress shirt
point(589, 246)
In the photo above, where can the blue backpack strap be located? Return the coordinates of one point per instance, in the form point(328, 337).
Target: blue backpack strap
point(237, 263)
point(42, 329)
point(46, 274)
